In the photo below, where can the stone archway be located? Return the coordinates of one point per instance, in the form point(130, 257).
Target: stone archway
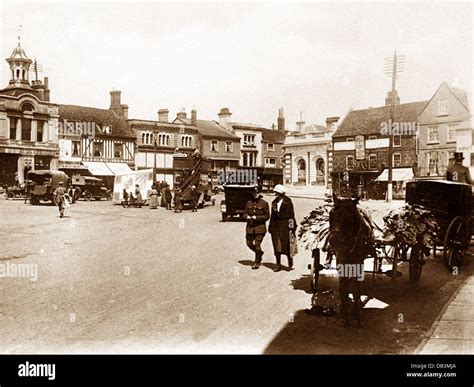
point(320, 173)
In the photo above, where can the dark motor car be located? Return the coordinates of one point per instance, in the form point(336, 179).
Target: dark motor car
point(89, 187)
point(43, 184)
point(235, 201)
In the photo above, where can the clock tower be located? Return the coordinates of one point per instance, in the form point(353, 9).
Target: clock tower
point(19, 66)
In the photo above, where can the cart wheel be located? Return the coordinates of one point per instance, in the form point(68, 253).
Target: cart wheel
point(415, 265)
point(455, 242)
point(87, 195)
point(10, 195)
point(314, 274)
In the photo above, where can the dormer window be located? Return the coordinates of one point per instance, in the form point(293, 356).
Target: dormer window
point(106, 129)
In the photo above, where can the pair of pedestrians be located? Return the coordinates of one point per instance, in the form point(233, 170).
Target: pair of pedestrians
point(282, 223)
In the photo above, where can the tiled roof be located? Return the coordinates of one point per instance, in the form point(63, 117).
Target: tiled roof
point(149, 124)
point(368, 121)
point(98, 116)
point(209, 128)
point(273, 136)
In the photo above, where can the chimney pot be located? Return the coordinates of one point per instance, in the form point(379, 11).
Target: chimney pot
point(193, 117)
point(163, 115)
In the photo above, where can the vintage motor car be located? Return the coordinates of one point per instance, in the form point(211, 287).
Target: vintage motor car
point(89, 187)
point(235, 201)
point(44, 183)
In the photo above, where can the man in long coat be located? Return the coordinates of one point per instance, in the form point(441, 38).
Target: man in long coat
point(257, 213)
point(282, 222)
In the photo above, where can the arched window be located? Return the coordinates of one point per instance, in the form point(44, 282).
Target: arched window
point(320, 171)
point(18, 73)
point(302, 171)
point(143, 138)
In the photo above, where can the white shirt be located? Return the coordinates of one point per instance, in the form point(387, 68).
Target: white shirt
point(279, 204)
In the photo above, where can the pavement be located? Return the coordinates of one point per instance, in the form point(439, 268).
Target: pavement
point(453, 330)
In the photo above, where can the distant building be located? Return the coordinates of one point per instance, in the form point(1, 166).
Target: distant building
point(216, 143)
point(260, 148)
point(445, 128)
point(98, 139)
point(168, 136)
point(27, 123)
point(361, 149)
point(306, 158)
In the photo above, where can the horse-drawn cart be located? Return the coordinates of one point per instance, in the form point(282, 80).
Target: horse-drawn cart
point(451, 205)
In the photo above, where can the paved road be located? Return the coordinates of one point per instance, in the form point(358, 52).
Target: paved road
point(151, 281)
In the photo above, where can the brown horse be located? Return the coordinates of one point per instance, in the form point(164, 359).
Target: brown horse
point(351, 240)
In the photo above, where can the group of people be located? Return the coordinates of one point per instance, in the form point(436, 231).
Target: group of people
point(282, 226)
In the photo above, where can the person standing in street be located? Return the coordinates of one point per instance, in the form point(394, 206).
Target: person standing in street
point(458, 172)
point(59, 194)
point(177, 200)
point(168, 197)
point(257, 213)
point(153, 198)
point(138, 197)
point(282, 222)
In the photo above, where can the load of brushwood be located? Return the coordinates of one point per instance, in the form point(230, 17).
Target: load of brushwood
point(411, 225)
point(314, 228)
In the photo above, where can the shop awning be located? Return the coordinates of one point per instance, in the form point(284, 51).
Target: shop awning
point(98, 168)
point(119, 168)
point(398, 174)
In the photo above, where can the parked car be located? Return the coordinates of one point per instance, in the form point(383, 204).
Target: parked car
point(44, 183)
point(235, 201)
point(88, 187)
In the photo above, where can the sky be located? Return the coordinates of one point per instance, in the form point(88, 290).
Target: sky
point(321, 59)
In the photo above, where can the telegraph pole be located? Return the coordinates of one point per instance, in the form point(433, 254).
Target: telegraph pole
point(155, 146)
point(393, 65)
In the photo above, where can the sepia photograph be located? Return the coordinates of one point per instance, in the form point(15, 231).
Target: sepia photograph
point(237, 178)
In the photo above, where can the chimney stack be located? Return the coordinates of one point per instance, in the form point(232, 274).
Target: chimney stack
point(388, 99)
point(331, 122)
point(181, 114)
point(281, 120)
point(124, 111)
point(194, 117)
point(115, 99)
point(163, 115)
point(46, 89)
point(224, 117)
point(300, 124)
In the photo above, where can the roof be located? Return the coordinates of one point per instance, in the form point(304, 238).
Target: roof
point(209, 128)
point(273, 136)
point(239, 125)
point(139, 123)
point(368, 121)
point(18, 53)
point(98, 116)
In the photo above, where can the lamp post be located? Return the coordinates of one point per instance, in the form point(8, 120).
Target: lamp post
point(154, 165)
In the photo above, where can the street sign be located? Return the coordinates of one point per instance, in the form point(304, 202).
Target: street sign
point(360, 147)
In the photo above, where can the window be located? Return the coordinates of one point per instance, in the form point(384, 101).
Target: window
point(350, 162)
point(164, 139)
point(118, 148)
point(397, 160)
point(372, 161)
point(270, 147)
point(229, 147)
point(433, 163)
point(39, 132)
point(25, 129)
point(397, 140)
point(13, 128)
point(451, 132)
point(249, 139)
point(249, 159)
point(270, 162)
point(214, 145)
point(97, 149)
point(186, 141)
point(443, 106)
point(433, 134)
point(107, 129)
point(76, 146)
point(349, 139)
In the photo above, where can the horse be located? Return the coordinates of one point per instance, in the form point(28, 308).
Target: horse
point(351, 240)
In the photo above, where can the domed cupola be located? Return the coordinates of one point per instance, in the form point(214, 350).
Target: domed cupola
point(19, 67)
